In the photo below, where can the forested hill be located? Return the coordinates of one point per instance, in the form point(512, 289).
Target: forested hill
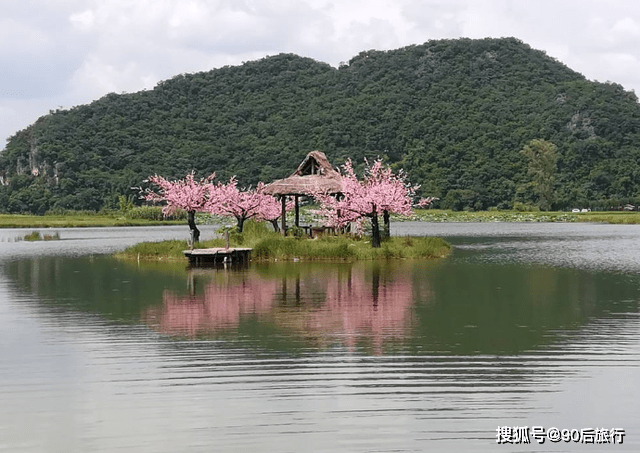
point(454, 113)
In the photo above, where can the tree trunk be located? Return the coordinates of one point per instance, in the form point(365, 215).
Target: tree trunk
point(195, 232)
point(276, 227)
point(387, 228)
point(240, 224)
point(283, 216)
point(375, 230)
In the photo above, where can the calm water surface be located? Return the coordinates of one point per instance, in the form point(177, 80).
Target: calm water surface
point(523, 325)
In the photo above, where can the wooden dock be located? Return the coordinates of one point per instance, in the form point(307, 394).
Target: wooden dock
point(204, 257)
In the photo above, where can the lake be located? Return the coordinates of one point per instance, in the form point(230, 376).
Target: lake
point(524, 325)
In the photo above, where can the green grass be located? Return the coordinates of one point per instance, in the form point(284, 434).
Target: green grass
point(33, 236)
point(77, 220)
point(439, 215)
point(147, 216)
point(348, 247)
point(269, 246)
point(36, 236)
point(164, 249)
point(628, 218)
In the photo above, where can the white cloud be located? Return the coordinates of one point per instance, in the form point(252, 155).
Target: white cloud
point(74, 51)
point(98, 76)
point(83, 21)
point(21, 38)
point(627, 27)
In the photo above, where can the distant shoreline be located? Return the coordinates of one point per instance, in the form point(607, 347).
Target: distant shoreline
point(77, 221)
point(611, 217)
point(429, 215)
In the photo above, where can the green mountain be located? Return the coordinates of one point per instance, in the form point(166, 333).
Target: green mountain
point(455, 114)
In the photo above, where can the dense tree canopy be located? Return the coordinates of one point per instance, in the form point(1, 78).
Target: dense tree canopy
point(542, 158)
point(455, 114)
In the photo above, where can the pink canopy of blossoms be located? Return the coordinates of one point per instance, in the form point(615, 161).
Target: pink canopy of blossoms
point(424, 202)
point(381, 190)
point(222, 199)
point(187, 194)
point(193, 196)
point(228, 200)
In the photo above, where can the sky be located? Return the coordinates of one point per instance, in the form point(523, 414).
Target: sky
point(62, 53)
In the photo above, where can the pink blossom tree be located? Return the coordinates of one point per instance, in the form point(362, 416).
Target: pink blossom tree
point(381, 192)
point(186, 194)
point(426, 202)
point(228, 200)
point(271, 210)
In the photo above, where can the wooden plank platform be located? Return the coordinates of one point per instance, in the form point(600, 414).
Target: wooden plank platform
point(220, 255)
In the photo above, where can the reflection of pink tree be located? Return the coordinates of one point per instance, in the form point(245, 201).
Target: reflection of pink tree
point(356, 306)
point(220, 307)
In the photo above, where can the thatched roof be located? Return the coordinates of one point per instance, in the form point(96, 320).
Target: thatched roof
point(314, 174)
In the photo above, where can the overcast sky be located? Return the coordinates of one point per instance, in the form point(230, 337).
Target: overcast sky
point(61, 53)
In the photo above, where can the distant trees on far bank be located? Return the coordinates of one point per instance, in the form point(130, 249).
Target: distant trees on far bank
point(454, 113)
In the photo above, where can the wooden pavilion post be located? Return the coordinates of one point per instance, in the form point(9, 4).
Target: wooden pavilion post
point(297, 197)
point(283, 199)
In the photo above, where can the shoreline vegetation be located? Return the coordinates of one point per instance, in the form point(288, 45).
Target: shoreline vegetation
point(140, 216)
point(611, 217)
point(73, 219)
point(35, 236)
point(271, 246)
point(467, 161)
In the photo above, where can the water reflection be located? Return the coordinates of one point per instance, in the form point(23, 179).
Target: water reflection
point(322, 304)
point(221, 305)
point(455, 306)
point(101, 355)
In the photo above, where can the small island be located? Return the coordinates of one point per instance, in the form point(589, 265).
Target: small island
point(271, 246)
point(343, 203)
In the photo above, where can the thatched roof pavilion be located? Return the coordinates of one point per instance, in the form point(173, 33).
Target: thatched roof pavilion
point(314, 174)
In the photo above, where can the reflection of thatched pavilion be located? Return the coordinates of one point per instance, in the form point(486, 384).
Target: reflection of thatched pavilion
point(315, 174)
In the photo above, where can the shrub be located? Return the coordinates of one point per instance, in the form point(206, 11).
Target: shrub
point(525, 207)
point(33, 236)
point(153, 213)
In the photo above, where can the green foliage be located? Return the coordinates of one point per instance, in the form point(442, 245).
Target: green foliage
point(253, 229)
point(36, 236)
point(33, 236)
point(524, 207)
point(273, 246)
point(153, 213)
point(461, 199)
point(171, 249)
point(347, 247)
point(625, 218)
point(528, 213)
point(125, 203)
point(68, 219)
point(542, 157)
point(453, 113)
point(296, 232)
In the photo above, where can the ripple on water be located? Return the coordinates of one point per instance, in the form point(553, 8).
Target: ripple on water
point(88, 371)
